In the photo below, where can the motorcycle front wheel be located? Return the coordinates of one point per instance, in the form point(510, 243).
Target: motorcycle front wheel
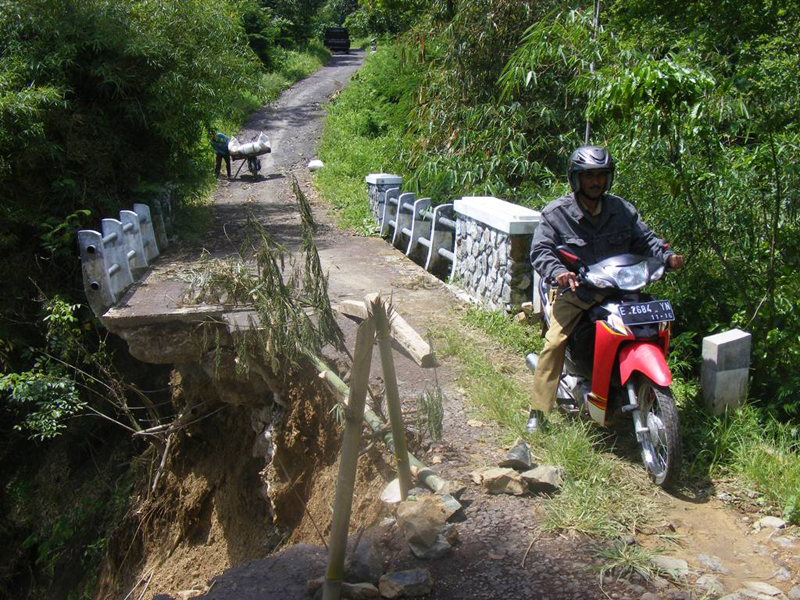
point(658, 432)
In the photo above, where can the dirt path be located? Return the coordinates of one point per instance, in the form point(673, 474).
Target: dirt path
point(496, 558)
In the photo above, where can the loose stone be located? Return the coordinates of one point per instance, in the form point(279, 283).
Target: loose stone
point(773, 522)
point(713, 563)
point(502, 481)
point(676, 567)
point(763, 588)
point(710, 584)
point(421, 520)
point(440, 548)
point(406, 584)
point(519, 457)
point(544, 479)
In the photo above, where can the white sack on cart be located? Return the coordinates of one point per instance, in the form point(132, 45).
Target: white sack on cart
point(259, 146)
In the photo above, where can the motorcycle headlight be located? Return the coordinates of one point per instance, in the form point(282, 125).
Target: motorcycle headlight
point(598, 282)
point(631, 277)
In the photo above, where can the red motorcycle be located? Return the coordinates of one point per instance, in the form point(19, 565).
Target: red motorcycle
point(616, 358)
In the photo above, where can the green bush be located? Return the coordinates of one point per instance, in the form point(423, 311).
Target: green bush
point(122, 97)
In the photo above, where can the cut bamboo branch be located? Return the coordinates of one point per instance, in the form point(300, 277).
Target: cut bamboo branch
point(425, 475)
point(351, 440)
point(401, 331)
point(392, 396)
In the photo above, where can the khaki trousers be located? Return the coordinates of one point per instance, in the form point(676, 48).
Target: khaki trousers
point(567, 310)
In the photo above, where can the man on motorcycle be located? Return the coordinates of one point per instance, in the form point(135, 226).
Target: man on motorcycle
point(595, 225)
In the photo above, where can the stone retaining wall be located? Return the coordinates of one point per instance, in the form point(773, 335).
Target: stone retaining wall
point(489, 255)
point(492, 266)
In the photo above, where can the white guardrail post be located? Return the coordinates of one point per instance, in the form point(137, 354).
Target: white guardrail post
point(420, 225)
point(112, 260)
point(442, 240)
point(403, 217)
point(388, 209)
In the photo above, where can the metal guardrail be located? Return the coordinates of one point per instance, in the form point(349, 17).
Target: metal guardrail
point(412, 223)
point(112, 260)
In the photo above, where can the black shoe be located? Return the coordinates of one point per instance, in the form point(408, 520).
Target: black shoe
point(536, 422)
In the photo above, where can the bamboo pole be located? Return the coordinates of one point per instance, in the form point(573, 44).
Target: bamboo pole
point(351, 440)
point(392, 396)
point(426, 476)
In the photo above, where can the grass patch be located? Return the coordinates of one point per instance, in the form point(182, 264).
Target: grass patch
point(519, 337)
point(621, 560)
point(761, 454)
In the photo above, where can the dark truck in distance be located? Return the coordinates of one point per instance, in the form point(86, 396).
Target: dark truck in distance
point(337, 38)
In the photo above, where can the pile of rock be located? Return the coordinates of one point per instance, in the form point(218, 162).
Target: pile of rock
point(518, 475)
point(364, 576)
point(424, 523)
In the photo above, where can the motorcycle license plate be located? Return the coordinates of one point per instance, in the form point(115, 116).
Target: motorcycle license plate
point(646, 312)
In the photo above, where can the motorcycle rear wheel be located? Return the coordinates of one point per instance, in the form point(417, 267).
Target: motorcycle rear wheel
point(661, 443)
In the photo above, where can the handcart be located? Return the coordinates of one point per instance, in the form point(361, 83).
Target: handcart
point(249, 152)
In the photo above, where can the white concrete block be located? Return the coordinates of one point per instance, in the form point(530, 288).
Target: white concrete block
point(499, 214)
point(383, 178)
point(726, 370)
point(728, 350)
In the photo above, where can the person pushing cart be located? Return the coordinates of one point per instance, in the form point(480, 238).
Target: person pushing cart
point(228, 149)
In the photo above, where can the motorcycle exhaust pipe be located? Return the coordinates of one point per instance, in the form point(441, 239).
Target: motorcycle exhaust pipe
point(531, 361)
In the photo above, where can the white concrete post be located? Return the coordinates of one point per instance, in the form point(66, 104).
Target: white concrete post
point(377, 185)
point(726, 370)
point(146, 228)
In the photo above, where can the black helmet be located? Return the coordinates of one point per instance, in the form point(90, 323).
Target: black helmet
point(590, 158)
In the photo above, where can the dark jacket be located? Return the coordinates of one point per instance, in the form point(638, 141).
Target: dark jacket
point(620, 230)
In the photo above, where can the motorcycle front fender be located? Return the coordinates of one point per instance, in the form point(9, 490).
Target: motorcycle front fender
point(648, 359)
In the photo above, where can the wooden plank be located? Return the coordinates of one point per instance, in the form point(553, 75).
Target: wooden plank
point(402, 332)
